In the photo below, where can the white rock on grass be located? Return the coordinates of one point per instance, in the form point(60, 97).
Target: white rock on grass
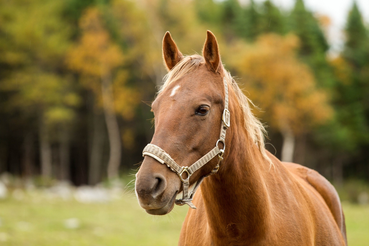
point(23, 226)
point(3, 191)
point(5, 178)
point(363, 198)
point(87, 194)
point(72, 223)
point(3, 237)
point(61, 190)
point(18, 194)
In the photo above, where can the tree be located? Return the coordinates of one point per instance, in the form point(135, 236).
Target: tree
point(97, 58)
point(306, 27)
point(313, 45)
point(208, 12)
point(283, 87)
point(356, 54)
point(272, 19)
point(351, 94)
point(356, 37)
point(232, 19)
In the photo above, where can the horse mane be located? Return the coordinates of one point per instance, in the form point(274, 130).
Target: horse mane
point(254, 128)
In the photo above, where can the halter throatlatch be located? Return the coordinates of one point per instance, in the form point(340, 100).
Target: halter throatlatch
point(185, 172)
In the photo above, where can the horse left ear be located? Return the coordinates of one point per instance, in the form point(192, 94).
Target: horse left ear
point(171, 53)
point(211, 52)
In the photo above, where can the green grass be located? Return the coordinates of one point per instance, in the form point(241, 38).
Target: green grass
point(357, 224)
point(41, 222)
point(37, 220)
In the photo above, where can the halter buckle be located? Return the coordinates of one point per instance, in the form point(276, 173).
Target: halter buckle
point(226, 117)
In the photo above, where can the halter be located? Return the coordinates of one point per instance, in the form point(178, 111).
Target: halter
point(185, 172)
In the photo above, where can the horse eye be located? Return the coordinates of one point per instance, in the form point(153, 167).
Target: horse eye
point(202, 110)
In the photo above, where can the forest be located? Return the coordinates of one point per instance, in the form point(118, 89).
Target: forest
point(77, 78)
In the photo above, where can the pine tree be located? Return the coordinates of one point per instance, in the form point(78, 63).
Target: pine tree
point(272, 19)
point(232, 19)
point(356, 44)
point(348, 132)
point(208, 11)
point(306, 27)
point(314, 45)
point(356, 55)
point(252, 22)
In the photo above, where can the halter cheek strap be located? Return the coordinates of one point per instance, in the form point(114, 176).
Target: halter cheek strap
point(185, 172)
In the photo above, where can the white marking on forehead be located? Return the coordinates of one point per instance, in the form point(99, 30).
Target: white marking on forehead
point(174, 90)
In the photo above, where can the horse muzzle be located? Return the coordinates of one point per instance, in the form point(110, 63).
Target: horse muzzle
point(153, 190)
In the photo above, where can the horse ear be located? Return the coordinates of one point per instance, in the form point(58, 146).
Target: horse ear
point(211, 52)
point(171, 53)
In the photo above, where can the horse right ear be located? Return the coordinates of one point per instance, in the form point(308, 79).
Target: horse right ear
point(171, 53)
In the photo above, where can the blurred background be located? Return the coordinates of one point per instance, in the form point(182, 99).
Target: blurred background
point(77, 78)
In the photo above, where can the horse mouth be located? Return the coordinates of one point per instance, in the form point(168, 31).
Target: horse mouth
point(165, 209)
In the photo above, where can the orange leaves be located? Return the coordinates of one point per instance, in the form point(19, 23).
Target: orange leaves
point(281, 85)
point(124, 98)
point(95, 54)
point(96, 57)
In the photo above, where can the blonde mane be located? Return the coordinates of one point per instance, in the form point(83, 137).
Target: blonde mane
point(253, 126)
point(186, 65)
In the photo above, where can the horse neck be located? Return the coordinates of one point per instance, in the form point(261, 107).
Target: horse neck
point(236, 198)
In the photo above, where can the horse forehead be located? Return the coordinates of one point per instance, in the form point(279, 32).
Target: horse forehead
point(181, 94)
point(198, 84)
point(184, 94)
point(195, 84)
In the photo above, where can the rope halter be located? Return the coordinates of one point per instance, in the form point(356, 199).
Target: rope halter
point(185, 172)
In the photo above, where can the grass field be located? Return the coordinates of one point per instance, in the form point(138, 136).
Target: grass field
point(38, 220)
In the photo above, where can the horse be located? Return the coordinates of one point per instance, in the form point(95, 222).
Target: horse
point(207, 140)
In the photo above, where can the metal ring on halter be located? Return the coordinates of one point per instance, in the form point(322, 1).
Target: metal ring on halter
point(223, 142)
point(184, 169)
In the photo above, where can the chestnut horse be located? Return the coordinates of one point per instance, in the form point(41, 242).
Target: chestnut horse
point(204, 130)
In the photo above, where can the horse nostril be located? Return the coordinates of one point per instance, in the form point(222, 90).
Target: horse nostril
point(159, 185)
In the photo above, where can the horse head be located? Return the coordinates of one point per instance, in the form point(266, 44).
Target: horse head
point(188, 119)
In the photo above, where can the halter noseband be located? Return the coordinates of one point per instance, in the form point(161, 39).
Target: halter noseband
point(185, 172)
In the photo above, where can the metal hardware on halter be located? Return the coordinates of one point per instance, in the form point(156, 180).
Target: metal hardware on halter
point(226, 117)
point(217, 144)
point(162, 157)
point(184, 169)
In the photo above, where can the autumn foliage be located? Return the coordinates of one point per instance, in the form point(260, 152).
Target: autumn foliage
point(281, 85)
point(76, 77)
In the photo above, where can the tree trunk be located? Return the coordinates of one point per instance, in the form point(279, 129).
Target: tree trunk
point(64, 154)
point(112, 126)
point(96, 147)
point(45, 150)
point(27, 167)
point(3, 158)
point(300, 150)
point(288, 143)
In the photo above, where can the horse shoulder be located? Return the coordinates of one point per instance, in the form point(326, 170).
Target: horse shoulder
point(325, 189)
